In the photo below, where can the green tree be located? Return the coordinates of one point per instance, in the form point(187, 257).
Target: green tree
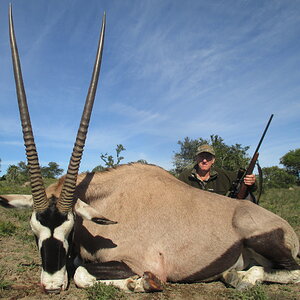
point(291, 161)
point(109, 160)
point(142, 161)
point(275, 177)
point(17, 173)
point(20, 173)
point(12, 173)
point(229, 157)
point(23, 169)
point(52, 171)
point(99, 168)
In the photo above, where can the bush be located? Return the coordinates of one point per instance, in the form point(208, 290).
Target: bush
point(101, 291)
point(291, 161)
point(275, 177)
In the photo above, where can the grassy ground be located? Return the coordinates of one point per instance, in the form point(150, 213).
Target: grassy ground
point(20, 263)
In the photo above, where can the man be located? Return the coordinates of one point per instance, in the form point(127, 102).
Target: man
point(204, 175)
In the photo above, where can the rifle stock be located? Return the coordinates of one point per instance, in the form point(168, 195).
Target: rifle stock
point(243, 191)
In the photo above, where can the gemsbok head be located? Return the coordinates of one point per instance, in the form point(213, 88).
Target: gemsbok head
point(52, 220)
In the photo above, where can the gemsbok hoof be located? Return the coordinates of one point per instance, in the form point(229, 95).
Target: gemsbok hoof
point(151, 283)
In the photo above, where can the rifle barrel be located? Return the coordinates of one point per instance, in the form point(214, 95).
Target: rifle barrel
point(242, 193)
point(257, 148)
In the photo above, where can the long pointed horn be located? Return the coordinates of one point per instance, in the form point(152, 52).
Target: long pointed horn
point(37, 186)
point(65, 202)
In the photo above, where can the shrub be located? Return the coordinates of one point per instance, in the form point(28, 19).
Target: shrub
point(275, 177)
point(101, 291)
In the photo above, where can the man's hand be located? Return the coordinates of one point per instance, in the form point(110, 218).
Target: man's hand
point(249, 179)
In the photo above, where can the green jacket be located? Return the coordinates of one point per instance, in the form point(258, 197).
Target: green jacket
point(220, 180)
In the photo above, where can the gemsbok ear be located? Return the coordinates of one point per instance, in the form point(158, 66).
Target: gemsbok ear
point(16, 201)
point(89, 213)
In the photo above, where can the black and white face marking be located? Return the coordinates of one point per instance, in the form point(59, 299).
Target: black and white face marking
point(52, 230)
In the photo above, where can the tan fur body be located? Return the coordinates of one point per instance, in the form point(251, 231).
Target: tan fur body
point(165, 226)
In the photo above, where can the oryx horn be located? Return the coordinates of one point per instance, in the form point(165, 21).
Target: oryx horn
point(65, 202)
point(38, 190)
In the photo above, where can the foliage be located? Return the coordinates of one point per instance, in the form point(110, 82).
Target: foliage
point(255, 293)
point(101, 291)
point(142, 161)
point(17, 174)
point(7, 187)
point(52, 171)
point(291, 161)
point(99, 168)
point(22, 231)
point(275, 177)
point(20, 215)
point(12, 174)
point(7, 228)
point(4, 284)
point(285, 203)
point(20, 173)
point(229, 157)
point(109, 160)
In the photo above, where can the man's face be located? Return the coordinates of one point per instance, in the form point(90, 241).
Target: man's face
point(205, 160)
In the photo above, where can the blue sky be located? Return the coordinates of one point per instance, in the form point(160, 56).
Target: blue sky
point(170, 69)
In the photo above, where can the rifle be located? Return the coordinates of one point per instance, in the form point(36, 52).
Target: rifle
point(240, 189)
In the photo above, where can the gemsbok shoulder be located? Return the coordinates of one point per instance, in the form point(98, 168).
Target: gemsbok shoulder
point(136, 226)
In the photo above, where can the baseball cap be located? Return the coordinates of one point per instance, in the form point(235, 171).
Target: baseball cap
point(206, 148)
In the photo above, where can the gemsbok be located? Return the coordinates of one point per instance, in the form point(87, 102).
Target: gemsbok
point(137, 226)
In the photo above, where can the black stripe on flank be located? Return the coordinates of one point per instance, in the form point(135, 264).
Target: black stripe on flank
point(271, 245)
point(109, 270)
point(218, 266)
